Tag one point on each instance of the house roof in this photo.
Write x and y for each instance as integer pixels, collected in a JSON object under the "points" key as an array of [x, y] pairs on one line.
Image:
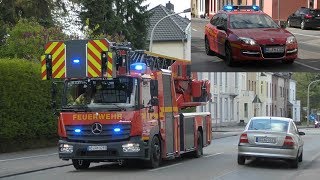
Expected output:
{"points": [[169, 29]]}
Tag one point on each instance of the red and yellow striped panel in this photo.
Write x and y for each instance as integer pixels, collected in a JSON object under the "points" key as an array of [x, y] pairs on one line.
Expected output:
{"points": [[109, 65], [57, 50], [43, 68], [95, 48]]}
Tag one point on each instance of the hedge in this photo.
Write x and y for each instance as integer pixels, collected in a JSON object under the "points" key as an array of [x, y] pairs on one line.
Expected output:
{"points": [[25, 111]]}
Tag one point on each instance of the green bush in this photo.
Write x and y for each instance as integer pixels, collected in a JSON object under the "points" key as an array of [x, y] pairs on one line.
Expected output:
{"points": [[25, 111]]}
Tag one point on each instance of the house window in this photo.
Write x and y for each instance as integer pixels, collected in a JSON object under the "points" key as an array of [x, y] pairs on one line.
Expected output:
{"points": [[267, 110], [236, 80], [254, 2], [215, 79], [231, 109], [261, 87], [249, 85], [226, 109], [246, 110], [239, 2], [261, 4]]}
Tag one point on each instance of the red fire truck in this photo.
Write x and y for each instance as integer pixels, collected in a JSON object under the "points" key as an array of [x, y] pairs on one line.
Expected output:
{"points": [[119, 105]]}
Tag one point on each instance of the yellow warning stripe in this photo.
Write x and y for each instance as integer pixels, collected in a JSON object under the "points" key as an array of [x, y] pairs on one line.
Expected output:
{"points": [[50, 48], [94, 50], [94, 62], [101, 45], [58, 61], [43, 67], [109, 64], [92, 72]]}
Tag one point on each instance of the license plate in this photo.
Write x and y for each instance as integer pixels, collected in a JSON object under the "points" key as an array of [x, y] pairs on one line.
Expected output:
{"points": [[266, 140], [274, 50], [97, 148]]}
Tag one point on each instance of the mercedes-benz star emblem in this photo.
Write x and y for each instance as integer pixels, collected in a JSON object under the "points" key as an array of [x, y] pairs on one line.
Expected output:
{"points": [[96, 128]]}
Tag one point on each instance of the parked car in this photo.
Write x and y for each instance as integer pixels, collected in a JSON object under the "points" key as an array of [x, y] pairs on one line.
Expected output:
{"points": [[304, 18], [271, 138], [244, 33]]}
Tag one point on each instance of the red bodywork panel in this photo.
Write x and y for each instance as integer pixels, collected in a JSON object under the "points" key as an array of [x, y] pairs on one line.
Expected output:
{"points": [[263, 36]]}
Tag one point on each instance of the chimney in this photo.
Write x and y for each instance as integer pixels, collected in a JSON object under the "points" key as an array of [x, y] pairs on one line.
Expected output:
{"points": [[170, 6]]}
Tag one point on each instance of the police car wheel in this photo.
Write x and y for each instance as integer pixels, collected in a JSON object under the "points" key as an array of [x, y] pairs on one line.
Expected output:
{"points": [[80, 164], [228, 55]]}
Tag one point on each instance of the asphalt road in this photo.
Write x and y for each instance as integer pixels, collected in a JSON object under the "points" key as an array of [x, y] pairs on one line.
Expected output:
{"points": [[218, 162], [308, 57]]}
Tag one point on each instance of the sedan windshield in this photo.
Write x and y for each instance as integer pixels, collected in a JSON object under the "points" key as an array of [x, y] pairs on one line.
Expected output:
{"points": [[269, 125], [250, 21]]}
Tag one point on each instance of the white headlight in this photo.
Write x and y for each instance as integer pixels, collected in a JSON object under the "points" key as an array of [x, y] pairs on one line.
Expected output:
{"points": [[291, 39], [131, 147], [248, 41]]}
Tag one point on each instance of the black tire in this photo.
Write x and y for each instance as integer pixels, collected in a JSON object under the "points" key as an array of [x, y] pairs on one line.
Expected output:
{"points": [[228, 55], [155, 154], [199, 152], [288, 23], [80, 164], [207, 47], [241, 160], [301, 157], [294, 163], [303, 25], [288, 61]]}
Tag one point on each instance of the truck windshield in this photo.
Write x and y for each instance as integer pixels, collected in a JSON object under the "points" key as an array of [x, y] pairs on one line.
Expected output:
{"points": [[118, 93]]}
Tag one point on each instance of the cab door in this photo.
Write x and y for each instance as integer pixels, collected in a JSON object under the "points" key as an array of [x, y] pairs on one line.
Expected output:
{"points": [[222, 34]]}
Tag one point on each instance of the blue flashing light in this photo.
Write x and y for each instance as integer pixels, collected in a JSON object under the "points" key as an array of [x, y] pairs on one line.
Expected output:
{"points": [[116, 129], [256, 8], [77, 130], [141, 67], [76, 61], [228, 8]]}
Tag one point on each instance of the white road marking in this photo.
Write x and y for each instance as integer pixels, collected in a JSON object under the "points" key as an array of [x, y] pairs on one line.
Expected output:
{"points": [[164, 167], [210, 155], [194, 29], [306, 35], [314, 68], [28, 157]]}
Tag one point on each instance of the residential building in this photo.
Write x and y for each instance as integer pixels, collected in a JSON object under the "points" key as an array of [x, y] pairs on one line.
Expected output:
{"points": [[277, 9], [239, 96], [172, 36]]}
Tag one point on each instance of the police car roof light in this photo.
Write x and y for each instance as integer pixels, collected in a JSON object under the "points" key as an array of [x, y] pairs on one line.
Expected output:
{"points": [[232, 8]]}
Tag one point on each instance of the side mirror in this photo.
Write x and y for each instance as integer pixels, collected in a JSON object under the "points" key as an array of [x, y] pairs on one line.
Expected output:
{"points": [[220, 27], [302, 133], [283, 26]]}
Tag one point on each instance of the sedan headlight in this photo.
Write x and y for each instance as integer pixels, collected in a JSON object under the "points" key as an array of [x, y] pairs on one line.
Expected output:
{"points": [[291, 39], [248, 41], [131, 147], [66, 148]]}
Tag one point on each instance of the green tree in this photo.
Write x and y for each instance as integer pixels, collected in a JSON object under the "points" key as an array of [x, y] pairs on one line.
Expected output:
{"points": [[116, 18], [303, 80], [27, 40]]}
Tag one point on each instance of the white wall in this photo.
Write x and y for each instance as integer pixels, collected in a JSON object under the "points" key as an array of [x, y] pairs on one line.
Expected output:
{"points": [[173, 49]]}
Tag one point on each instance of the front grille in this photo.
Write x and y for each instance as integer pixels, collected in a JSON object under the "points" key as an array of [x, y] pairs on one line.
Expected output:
{"points": [[107, 134], [97, 153], [272, 55]]}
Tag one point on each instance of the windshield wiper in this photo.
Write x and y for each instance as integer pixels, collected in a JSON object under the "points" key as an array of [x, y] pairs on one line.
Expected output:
{"points": [[76, 108]]}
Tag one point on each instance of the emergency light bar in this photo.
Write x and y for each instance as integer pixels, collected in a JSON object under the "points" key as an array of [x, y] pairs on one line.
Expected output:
{"points": [[234, 8]]}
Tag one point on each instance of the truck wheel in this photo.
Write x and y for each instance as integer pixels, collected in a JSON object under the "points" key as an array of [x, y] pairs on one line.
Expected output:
{"points": [[155, 153], [207, 47], [199, 152], [80, 164]]}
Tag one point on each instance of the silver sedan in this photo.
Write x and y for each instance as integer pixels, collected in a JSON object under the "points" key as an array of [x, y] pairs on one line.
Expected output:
{"points": [[271, 137]]}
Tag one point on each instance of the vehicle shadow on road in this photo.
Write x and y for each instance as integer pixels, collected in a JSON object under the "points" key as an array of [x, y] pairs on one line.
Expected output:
{"points": [[134, 166], [268, 164]]}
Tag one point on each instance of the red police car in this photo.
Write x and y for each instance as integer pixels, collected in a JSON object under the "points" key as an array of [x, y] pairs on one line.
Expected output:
{"points": [[244, 33]]}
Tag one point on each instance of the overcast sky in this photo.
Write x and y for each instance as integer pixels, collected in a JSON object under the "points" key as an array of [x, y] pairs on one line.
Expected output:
{"points": [[179, 5]]}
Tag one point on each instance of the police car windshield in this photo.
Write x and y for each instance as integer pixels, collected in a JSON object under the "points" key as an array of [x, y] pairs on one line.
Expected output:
{"points": [[115, 93], [250, 21]]}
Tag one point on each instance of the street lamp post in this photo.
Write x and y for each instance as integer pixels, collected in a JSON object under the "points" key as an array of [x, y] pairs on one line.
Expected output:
{"points": [[308, 101], [152, 32]]}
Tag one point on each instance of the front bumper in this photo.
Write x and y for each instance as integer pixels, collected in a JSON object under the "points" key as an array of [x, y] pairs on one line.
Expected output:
{"points": [[255, 53], [114, 151], [273, 153]]}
